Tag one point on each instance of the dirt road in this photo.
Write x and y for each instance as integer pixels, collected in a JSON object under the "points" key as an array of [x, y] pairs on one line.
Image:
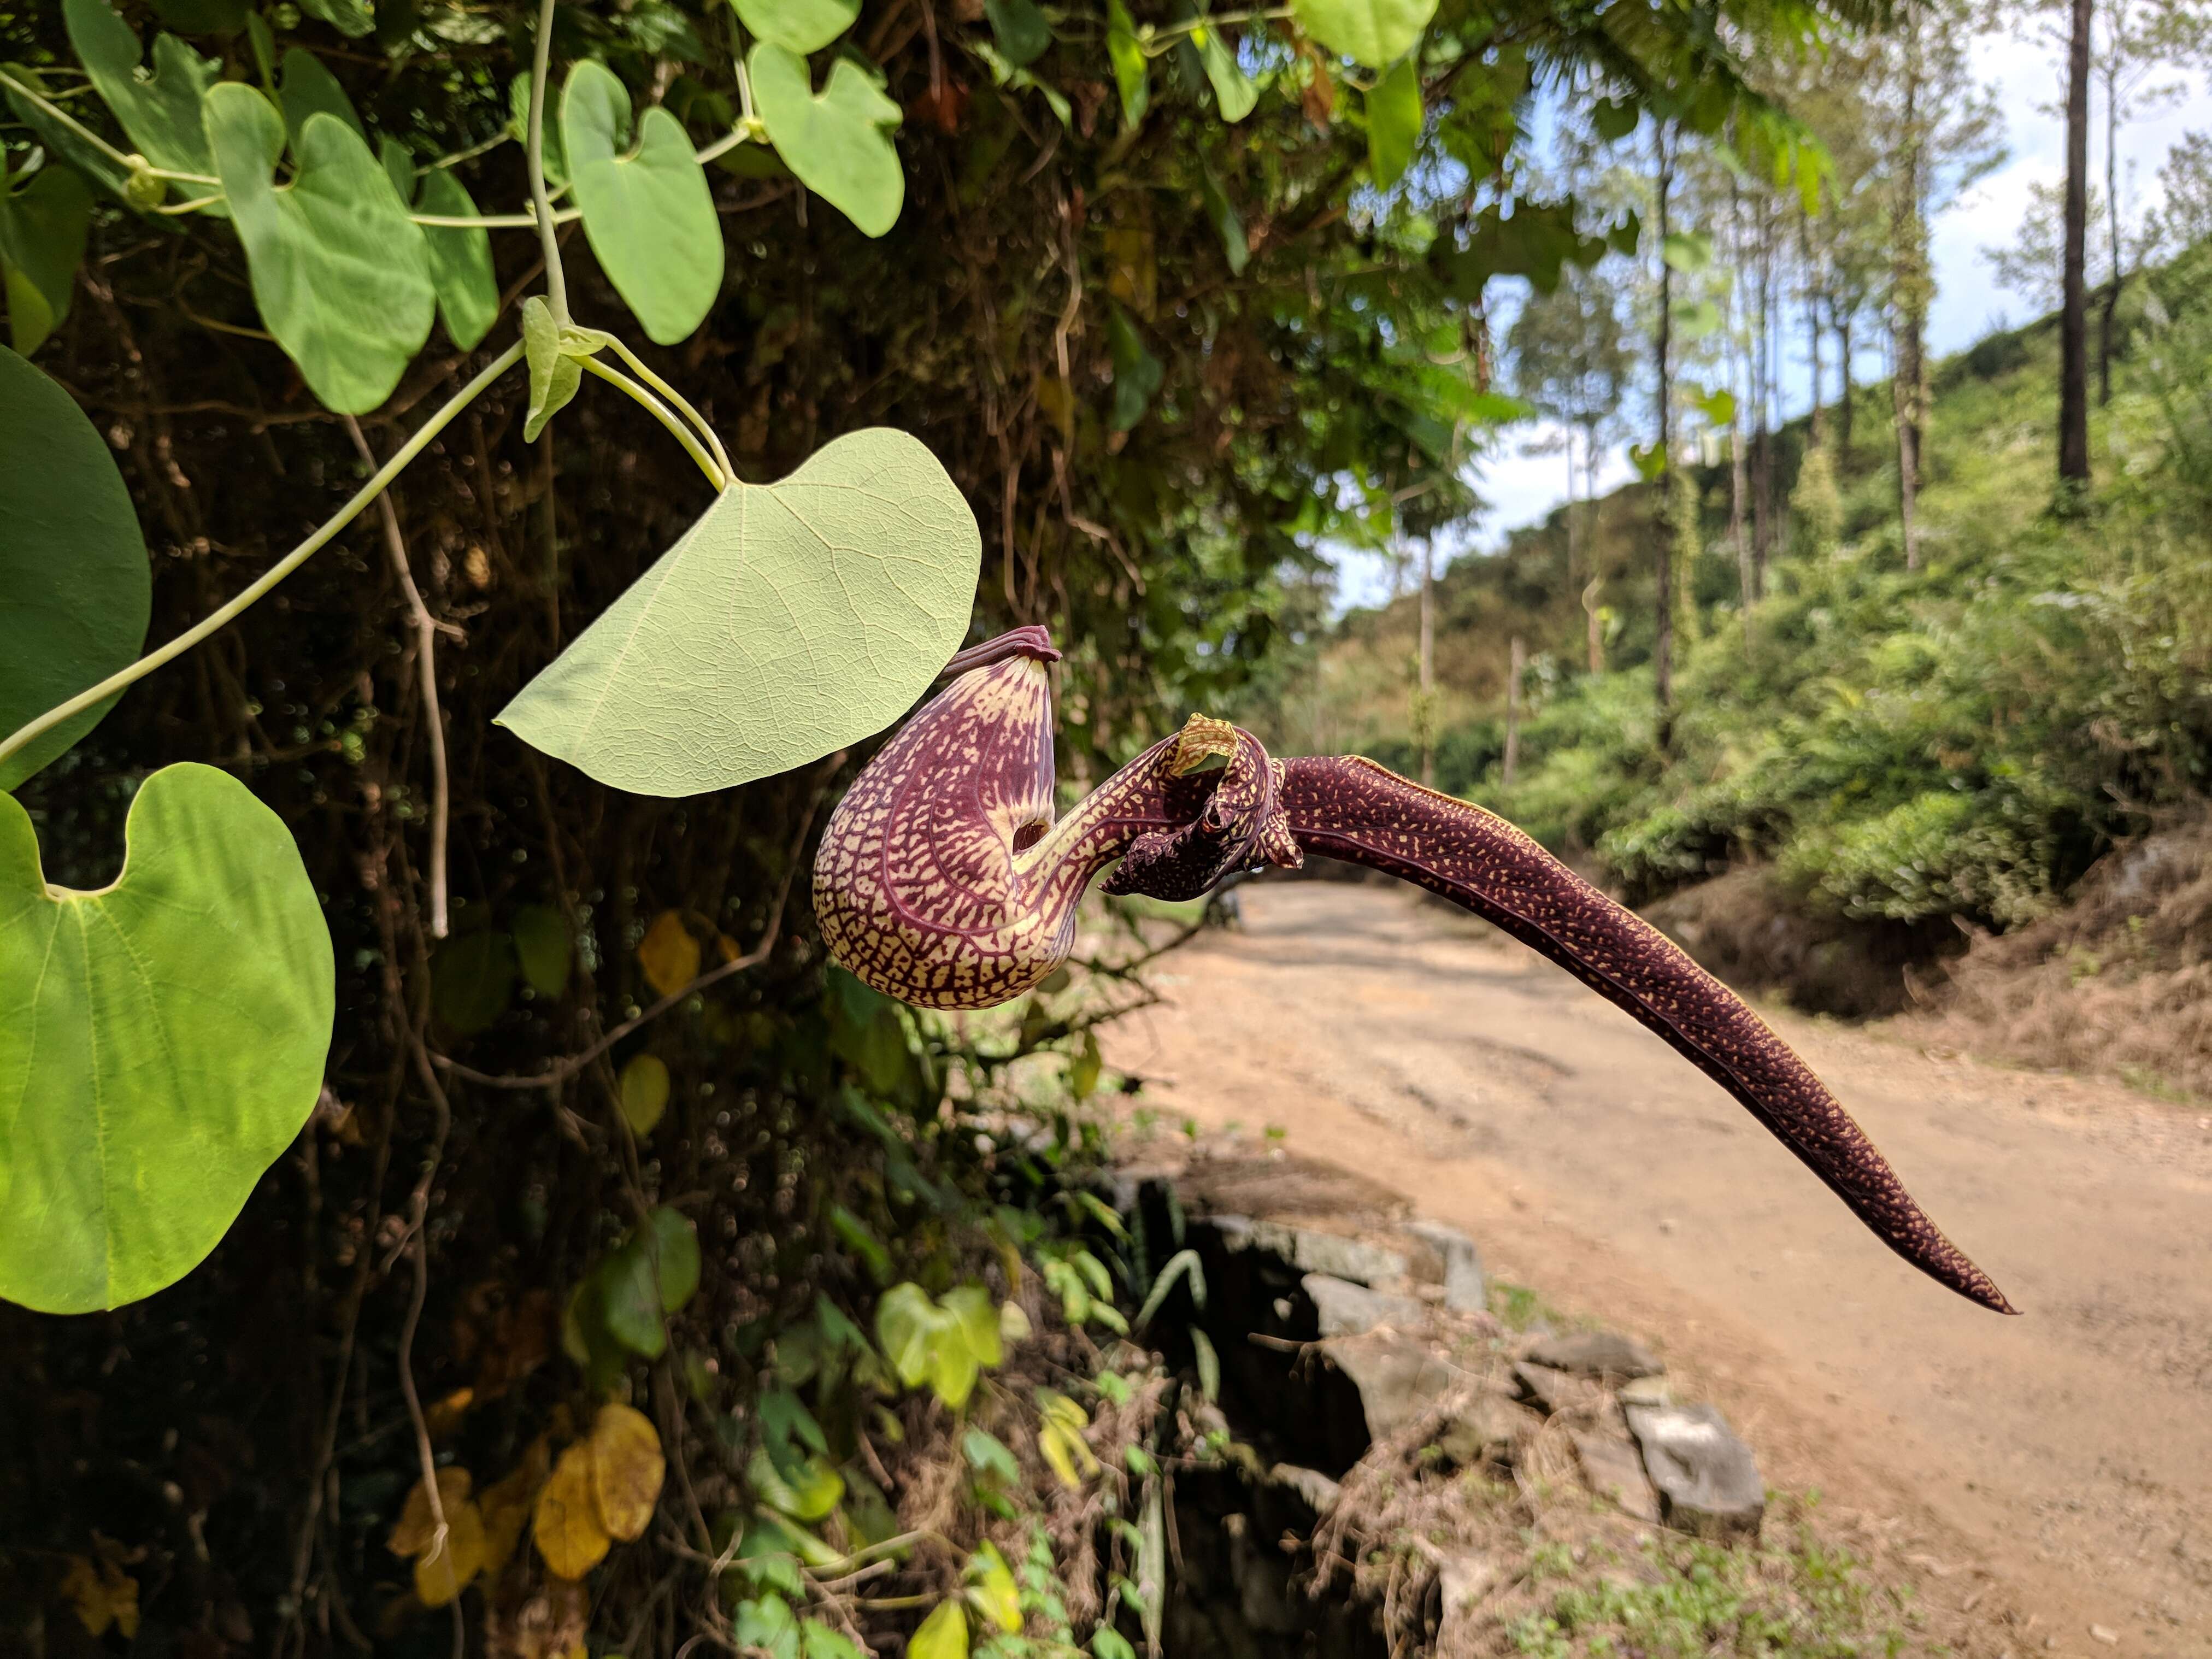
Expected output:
{"points": [[2065, 1456]]}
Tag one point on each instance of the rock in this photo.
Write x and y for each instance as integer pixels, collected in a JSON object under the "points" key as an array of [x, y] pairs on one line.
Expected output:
{"points": [[1596, 1354], [1396, 1377], [1613, 1469], [1553, 1391], [1709, 1482], [1319, 1491], [1463, 1581], [1464, 1289], [1645, 1391], [1327, 1253], [1347, 1309], [1485, 1432]]}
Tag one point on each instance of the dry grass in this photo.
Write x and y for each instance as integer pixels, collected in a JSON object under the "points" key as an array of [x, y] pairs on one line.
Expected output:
{"points": [[2119, 984]]}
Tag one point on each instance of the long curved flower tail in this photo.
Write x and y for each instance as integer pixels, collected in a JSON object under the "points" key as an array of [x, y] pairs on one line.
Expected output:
{"points": [[1354, 810]]}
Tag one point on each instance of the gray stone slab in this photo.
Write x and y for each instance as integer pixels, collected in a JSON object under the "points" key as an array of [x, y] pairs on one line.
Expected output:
{"points": [[1613, 1469], [1347, 1309], [1397, 1377], [1596, 1354], [1465, 1291], [1708, 1479]]}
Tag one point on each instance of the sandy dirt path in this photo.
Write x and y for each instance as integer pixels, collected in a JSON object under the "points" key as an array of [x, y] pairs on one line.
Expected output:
{"points": [[2062, 1461]]}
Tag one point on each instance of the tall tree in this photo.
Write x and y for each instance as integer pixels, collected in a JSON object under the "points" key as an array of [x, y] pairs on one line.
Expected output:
{"points": [[2074, 299]]}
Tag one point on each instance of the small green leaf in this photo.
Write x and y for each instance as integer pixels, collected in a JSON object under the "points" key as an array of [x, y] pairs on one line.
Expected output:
{"points": [[644, 1092], [1650, 460], [987, 1454], [1695, 318], [543, 945], [818, 1641], [806, 1489], [309, 87], [943, 1635], [1228, 223], [1107, 1643], [1393, 123], [792, 619], [972, 1306], [472, 980], [1019, 28], [663, 1252], [1137, 373], [1614, 118], [766, 1626], [351, 18], [518, 124], [161, 112], [1687, 252], [164, 1040], [837, 142], [340, 273], [553, 375], [1132, 69], [647, 211], [42, 228], [76, 589], [1233, 90], [1209, 1365], [799, 26], [992, 1591], [1374, 32]]}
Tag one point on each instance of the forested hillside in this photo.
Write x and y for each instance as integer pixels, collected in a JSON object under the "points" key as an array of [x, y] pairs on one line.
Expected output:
{"points": [[1962, 740]]}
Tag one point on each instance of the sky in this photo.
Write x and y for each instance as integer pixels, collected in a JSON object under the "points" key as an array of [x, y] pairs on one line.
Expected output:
{"points": [[1523, 486]]}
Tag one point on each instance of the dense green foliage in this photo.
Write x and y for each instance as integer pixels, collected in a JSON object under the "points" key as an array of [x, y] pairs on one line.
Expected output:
{"points": [[1959, 740]]}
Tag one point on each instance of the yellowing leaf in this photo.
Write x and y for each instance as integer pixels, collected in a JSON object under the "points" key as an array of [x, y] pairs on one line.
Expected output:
{"points": [[1056, 1446], [627, 1470], [103, 1595], [506, 1506], [566, 1521], [412, 1536], [645, 1089], [668, 953], [943, 1635], [1013, 1325], [443, 1569], [991, 1589]]}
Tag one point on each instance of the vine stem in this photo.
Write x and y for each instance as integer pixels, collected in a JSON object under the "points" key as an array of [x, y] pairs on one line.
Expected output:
{"points": [[638, 367], [426, 643], [660, 412], [556, 282], [284, 567]]}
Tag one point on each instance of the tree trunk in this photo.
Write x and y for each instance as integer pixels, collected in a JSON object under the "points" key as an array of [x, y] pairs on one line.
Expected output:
{"points": [[1737, 482], [1517, 661], [1663, 643], [1910, 252], [1428, 664], [1819, 427], [2113, 217], [2074, 310], [1844, 390], [1762, 443], [1594, 629]]}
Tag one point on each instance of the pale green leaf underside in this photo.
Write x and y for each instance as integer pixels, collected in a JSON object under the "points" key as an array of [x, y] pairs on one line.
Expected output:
{"points": [[792, 619], [161, 1041], [648, 213], [460, 261], [1376, 33], [1393, 123], [340, 272], [75, 587]]}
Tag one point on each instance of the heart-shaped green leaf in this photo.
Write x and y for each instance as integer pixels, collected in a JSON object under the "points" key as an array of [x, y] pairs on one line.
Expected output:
{"points": [[792, 619], [42, 229], [1019, 28], [62, 142], [461, 260], [1233, 90], [838, 144], [162, 111], [1376, 33], [74, 588], [800, 26], [162, 1042], [555, 372], [544, 947], [340, 272], [1132, 69], [648, 213], [1393, 123], [309, 87]]}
